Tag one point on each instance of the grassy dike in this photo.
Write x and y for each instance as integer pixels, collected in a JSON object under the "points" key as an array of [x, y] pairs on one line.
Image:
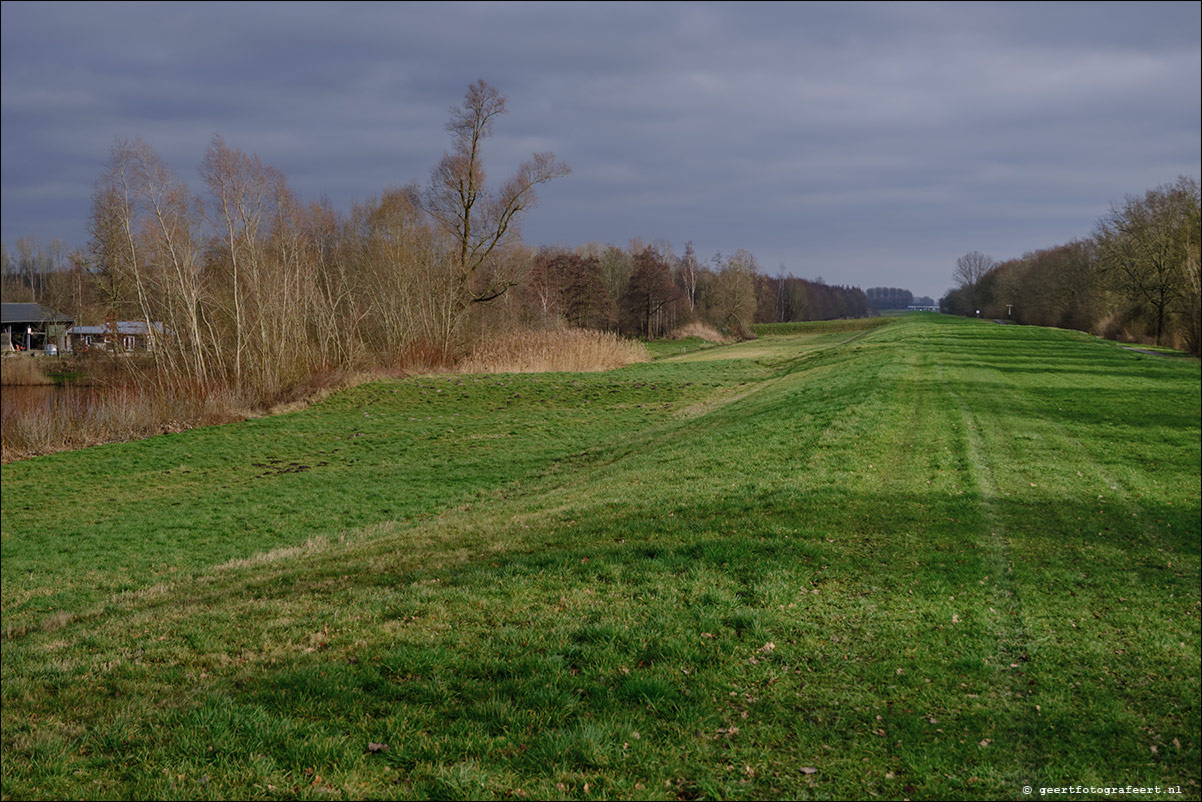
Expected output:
{"points": [[936, 558]]}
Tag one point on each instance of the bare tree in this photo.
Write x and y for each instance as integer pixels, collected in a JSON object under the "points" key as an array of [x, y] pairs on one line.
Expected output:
{"points": [[244, 192], [565, 286], [971, 268], [406, 281], [173, 248], [1146, 245], [478, 220], [734, 294], [1191, 299], [648, 292], [118, 207], [616, 266], [687, 274], [544, 286], [334, 316]]}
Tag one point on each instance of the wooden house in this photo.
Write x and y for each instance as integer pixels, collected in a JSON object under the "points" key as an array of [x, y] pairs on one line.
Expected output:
{"points": [[115, 335]]}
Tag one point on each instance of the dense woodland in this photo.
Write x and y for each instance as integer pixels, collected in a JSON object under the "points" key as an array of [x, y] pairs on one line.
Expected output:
{"points": [[258, 290], [1136, 277]]}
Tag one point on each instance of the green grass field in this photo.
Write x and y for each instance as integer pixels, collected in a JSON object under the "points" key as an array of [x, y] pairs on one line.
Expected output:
{"points": [[938, 558]]}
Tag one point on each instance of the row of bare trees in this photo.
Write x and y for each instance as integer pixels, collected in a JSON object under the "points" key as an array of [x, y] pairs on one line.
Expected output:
{"points": [[647, 291], [249, 287], [52, 274], [224, 280], [245, 287], [1136, 277]]}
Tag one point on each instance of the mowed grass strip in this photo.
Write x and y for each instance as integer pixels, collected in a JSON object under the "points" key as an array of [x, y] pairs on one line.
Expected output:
{"points": [[938, 558]]}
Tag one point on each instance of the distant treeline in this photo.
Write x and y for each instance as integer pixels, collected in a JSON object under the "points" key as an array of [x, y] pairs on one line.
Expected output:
{"points": [[895, 298], [647, 291], [1135, 278], [257, 291]]}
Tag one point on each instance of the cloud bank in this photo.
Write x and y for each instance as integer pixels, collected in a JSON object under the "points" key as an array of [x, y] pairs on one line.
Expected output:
{"points": [[870, 144]]}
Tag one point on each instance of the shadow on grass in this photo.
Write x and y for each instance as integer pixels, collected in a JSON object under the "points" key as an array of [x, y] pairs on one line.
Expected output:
{"points": [[546, 658], [530, 655]]}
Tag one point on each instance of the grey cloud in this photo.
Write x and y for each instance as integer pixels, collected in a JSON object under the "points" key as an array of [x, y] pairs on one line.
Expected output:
{"points": [[871, 143]]}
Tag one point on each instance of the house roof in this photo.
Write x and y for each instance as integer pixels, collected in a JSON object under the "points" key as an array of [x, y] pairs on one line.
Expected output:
{"points": [[123, 327], [30, 313]]}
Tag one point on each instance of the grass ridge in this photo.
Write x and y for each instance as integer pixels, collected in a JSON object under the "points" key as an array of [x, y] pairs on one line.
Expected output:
{"points": [[600, 590]]}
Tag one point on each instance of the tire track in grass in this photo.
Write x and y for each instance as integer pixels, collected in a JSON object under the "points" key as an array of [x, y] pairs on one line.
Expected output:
{"points": [[1101, 571], [1005, 609]]}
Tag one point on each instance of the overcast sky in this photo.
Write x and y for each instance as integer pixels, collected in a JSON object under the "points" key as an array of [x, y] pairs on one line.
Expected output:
{"points": [[869, 144]]}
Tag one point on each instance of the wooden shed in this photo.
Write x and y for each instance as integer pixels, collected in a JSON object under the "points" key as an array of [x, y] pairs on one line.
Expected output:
{"points": [[31, 327]]}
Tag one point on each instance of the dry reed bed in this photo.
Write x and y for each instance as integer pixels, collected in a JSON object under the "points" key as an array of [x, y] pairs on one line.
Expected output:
{"points": [[22, 371], [702, 330], [127, 405], [75, 417], [566, 350]]}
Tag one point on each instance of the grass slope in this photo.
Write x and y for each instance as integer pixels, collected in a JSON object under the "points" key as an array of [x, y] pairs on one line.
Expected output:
{"points": [[933, 559]]}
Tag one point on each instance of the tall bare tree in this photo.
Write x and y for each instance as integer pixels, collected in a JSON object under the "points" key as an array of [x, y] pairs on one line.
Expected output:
{"points": [[734, 294], [616, 266], [480, 220], [117, 244], [686, 272], [1146, 245], [971, 268], [172, 247], [648, 292], [243, 194]]}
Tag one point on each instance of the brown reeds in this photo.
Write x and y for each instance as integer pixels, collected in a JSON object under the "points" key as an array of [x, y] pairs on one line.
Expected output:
{"points": [[22, 370], [41, 420], [569, 350], [699, 329], [120, 401]]}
